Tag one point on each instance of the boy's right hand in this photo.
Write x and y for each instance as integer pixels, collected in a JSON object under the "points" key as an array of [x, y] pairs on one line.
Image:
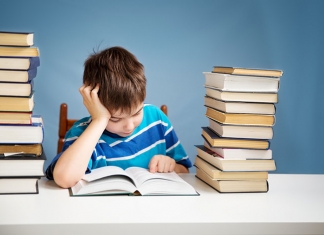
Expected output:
{"points": [[93, 104]]}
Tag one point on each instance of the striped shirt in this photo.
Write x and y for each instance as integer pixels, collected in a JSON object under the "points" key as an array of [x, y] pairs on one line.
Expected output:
{"points": [[155, 135]]}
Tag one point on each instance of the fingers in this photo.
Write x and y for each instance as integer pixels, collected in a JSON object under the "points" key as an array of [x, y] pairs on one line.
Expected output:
{"points": [[153, 165], [161, 163]]}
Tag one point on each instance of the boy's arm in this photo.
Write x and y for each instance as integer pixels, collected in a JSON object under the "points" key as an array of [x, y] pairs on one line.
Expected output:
{"points": [[180, 169], [72, 164]]}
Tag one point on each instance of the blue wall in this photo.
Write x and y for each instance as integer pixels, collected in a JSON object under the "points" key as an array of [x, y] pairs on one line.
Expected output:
{"points": [[177, 41]]}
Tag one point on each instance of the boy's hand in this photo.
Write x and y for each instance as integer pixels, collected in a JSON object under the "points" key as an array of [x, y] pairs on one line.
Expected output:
{"points": [[92, 103], [161, 163]]}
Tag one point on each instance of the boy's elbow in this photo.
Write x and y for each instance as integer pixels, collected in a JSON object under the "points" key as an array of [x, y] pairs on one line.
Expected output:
{"points": [[64, 180]]}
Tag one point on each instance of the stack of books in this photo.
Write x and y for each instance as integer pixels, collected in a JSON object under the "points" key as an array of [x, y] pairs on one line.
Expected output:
{"points": [[21, 131], [240, 107]]}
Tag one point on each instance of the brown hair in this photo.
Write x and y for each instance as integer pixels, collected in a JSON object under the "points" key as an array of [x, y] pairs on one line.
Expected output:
{"points": [[121, 79]]}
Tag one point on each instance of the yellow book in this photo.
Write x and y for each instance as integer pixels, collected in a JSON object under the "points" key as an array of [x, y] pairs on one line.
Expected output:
{"points": [[240, 118]]}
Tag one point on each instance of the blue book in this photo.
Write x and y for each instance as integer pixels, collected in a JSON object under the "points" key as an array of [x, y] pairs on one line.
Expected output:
{"points": [[23, 133], [18, 75], [19, 63]]}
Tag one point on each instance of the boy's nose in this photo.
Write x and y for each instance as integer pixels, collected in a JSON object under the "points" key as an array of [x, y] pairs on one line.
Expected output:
{"points": [[129, 126]]}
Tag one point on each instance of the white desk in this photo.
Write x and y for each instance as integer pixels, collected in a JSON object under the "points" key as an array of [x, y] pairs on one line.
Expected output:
{"points": [[293, 205]]}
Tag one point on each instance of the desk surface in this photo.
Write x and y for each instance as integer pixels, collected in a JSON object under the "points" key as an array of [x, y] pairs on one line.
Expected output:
{"points": [[293, 205]]}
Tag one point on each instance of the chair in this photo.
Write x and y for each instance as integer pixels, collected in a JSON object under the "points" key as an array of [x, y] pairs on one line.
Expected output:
{"points": [[65, 124]]}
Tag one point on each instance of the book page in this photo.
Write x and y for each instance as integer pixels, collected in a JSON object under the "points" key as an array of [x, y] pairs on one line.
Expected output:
{"points": [[140, 175], [104, 172], [114, 184], [160, 183]]}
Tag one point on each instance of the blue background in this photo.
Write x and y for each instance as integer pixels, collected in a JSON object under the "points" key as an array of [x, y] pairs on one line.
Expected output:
{"points": [[177, 40]]}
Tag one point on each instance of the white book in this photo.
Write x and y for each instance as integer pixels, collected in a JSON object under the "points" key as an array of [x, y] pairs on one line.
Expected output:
{"points": [[229, 82], [257, 97], [23, 133], [241, 131], [242, 154], [240, 107], [112, 180]]}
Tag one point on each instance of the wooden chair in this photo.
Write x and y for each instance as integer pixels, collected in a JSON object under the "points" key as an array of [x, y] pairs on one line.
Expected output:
{"points": [[65, 124]]}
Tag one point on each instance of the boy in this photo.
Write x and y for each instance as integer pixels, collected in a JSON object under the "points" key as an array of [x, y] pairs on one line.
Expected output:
{"points": [[121, 129]]}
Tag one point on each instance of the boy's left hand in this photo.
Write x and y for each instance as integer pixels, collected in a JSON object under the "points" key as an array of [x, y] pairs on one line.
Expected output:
{"points": [[161, 163]]}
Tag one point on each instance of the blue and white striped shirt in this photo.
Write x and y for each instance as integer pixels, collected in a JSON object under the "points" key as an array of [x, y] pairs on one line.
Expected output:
{"points": [[155, 135]]}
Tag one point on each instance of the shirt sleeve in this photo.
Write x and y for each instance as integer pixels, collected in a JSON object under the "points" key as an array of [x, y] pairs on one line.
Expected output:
{"points": [[174, 148]]}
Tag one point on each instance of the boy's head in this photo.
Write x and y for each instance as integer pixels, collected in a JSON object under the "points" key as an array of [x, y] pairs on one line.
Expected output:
{"points": [[121, 79]]}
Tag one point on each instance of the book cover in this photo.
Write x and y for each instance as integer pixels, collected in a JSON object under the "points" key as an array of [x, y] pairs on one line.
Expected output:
{"points": [[19, 63]]}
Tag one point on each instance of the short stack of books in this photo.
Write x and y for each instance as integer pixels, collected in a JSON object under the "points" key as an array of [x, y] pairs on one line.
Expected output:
{"points": [[21, 131], [240, 107]]}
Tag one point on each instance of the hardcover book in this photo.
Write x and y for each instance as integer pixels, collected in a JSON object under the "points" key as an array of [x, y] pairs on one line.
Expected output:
{"points": [[19, 63], [233, 186], [215, 173], [16, 89], [15, 117], [240, 107], [112, 180], [215, 140], [239, 154], [18, 75], [19, 52], [19, 185], [22, 164], [248, 71], [28, 149], [241, 131], [16, 38], [260, 97], [239, 83], [240, 118], [235, 164], [23, 134], [17, 103]]}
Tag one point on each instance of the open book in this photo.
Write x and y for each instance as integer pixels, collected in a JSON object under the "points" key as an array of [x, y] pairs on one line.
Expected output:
{"points": [[112, 180]]}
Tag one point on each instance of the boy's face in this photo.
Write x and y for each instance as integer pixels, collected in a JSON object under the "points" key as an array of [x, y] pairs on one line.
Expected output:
{"points": [[124, 124]]}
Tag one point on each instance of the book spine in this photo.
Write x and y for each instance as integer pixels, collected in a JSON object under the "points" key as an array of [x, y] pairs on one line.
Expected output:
{"points": [[32, 74], [34, 62]]}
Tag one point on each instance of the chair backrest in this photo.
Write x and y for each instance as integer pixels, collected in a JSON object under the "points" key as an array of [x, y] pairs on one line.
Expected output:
{"points": [[65, 124]]}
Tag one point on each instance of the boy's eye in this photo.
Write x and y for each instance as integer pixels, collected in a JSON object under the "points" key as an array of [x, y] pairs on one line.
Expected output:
{"points": [[115, 120]]}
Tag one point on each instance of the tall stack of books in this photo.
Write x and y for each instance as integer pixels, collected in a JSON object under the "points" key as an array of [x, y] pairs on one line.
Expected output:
{"points": [[21, 131], [240, 107]]}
